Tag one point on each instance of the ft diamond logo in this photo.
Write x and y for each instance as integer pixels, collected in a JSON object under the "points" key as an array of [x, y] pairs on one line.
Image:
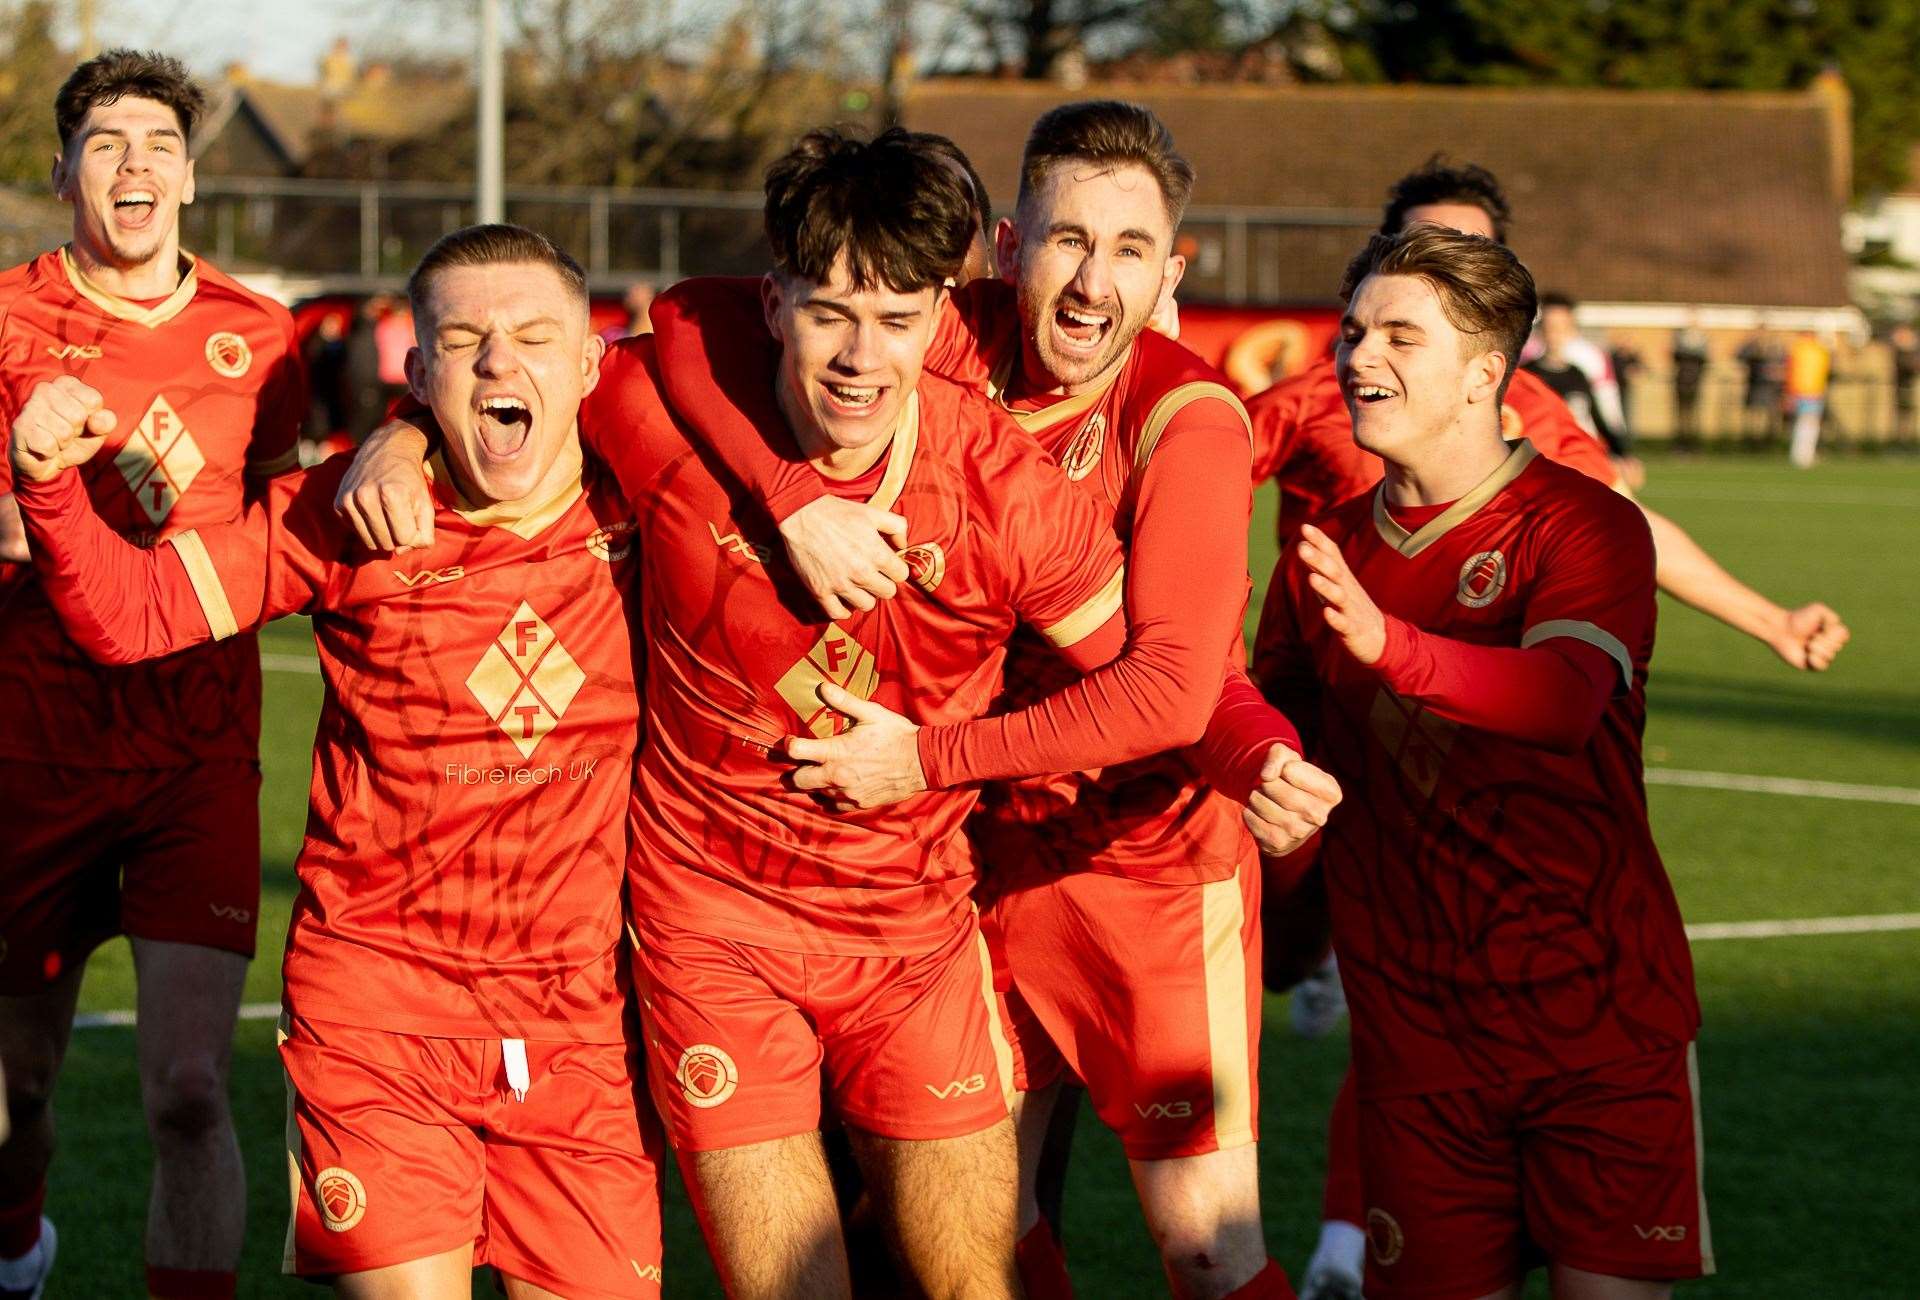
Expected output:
{"points": [[837, 658], [526, 680], [160, 460]]}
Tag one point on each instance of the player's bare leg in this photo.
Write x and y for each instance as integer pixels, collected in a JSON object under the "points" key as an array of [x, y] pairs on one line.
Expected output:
{"points": [[949, 1205], [33, 1043], [189, 998], [1569, 1283], [1204, 1213], [446, 1276], [1033, 1114], [770, 1218]]}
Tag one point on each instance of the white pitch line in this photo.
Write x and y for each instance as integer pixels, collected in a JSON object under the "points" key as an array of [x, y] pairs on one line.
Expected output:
{"points": [[124, 1019], [274, 663], [1894, 794], [1758, 494], [1813, 925]]}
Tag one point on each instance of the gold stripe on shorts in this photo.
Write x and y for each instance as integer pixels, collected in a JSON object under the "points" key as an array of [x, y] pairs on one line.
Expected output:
{"points": [[1699, 1160], [996, 1030], [293, 1150], [1222, 913]]}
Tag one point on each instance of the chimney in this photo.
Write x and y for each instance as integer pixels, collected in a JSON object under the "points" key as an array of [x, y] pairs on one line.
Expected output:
{"points": [[236, 74], [1829, 90]]}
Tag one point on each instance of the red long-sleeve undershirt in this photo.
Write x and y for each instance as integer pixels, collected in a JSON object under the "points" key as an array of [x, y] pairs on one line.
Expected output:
{"points": [[119, 603], [1188, 547]]}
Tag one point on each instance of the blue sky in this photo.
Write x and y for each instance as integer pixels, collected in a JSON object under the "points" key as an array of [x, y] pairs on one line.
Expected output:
{"points": [[281, 40]]}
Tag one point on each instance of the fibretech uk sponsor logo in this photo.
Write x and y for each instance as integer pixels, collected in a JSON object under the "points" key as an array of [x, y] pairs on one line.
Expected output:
{"points": [[707, 1075], [525, 680], [340, 1198], [160, 461]]}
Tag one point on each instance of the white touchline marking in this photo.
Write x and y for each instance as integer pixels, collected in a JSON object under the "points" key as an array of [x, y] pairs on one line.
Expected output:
{"points": [[1764, 495], [274, 663], [1894, 794], [124, 1019], [1813, 925]]}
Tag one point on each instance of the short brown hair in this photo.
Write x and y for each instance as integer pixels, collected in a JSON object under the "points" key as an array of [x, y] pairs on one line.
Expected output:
{"points": [[494, 244], [895, 208], [117, 73], [1483, 288], [1107, 133], [1440, 180], [943, 148]]}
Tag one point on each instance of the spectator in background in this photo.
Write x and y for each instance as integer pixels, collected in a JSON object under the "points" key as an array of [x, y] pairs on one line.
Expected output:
{"points": [[1627, 366], [392, 340], [1809, 369], [638, 298], [1766, 367], [1689, 369], [1559, 339], [1593, 363], [360, 385], [326, 379], [1905, 344]]}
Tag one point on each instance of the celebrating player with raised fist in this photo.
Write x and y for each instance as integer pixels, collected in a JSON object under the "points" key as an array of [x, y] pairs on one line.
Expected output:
{"points": [[135, 788], [455, 1036]]}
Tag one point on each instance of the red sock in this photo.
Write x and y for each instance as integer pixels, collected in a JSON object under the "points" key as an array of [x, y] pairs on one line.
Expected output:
{"points": [[1346, 1199], [1043, 1269], [1270, 1283], [190, 1283], [20, 1224]]}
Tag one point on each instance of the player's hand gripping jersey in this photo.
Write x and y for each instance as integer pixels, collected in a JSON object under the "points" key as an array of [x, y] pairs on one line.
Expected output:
{"points": [[1303, 436], [737, 652], [204, 382], [1160, 456], [466, 836], [1500, 909]]}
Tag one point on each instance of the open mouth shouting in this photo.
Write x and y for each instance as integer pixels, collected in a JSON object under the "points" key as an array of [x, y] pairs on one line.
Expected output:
{"points": [[504, 423], [1080, 330], [133, 208], [852, 401], [1367, 394]]}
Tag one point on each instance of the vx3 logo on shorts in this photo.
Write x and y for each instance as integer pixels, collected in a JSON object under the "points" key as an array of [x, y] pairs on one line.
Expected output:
{"points": [[645, 1272], [427, 577], [225, 912], [1662, 1232], [959, 1088], [1164, 1110]]}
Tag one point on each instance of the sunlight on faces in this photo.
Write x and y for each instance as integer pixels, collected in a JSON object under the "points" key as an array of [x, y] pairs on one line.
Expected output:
{"points": [[1467, 218], [849, 360], [504, 358], [1408, 374], [1089, 252], [126, 172]]}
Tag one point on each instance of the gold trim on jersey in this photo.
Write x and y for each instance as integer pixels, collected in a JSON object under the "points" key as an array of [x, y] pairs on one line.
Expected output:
{"points": [[1222, 913], [996, 1030], [1176, 401], [1092, 614], [1700, 1160], [906, 437], [524, 522], [279, 465], [206, 583], [152, 317], [1580, 630], [1411, 544]]}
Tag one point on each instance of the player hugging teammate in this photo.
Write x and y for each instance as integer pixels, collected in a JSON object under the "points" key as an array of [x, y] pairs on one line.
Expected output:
{"points": [[645, 758]]}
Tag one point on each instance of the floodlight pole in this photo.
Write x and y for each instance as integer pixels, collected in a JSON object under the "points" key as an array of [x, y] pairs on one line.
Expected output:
{"points": [[489, 197]]}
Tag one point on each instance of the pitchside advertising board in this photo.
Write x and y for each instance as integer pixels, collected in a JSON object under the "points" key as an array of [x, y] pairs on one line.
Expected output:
{"points": [[1254, 346]]}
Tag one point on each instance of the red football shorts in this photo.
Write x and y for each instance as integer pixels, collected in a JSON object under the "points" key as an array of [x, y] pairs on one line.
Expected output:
{"points": [[1598, 1169], [743, 1041], [1149, 993], [168, 853], [401, 1146]]}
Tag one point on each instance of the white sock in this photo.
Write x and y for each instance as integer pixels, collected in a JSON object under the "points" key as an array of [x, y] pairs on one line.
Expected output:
{"points": [[23, 1274], [1342, 1247]]}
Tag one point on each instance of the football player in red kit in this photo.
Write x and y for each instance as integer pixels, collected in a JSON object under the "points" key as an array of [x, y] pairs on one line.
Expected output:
{"points": [[135, 788], [460, 1068], [1473, 637]]}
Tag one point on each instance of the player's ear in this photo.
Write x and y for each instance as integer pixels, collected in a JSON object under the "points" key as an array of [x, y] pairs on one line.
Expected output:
{"points": [[60, 175], [186, 192], [772, 295], [417, 375], [1170, 275], [1484, 373], [1006, 247], [590, 357]]}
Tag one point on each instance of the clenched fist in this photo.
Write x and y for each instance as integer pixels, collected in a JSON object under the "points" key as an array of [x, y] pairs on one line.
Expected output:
{"points": [[62, 424]]}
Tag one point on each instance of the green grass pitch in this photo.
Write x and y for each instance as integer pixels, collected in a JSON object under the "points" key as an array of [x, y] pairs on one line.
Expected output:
{"points": [[1810, 1056]]}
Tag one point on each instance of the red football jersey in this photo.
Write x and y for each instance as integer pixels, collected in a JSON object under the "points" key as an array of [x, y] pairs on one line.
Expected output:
{"points": [[737, 652], [466, 827], [1155, 818], [1303, 435], [206, 383], [1500, 910]]}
